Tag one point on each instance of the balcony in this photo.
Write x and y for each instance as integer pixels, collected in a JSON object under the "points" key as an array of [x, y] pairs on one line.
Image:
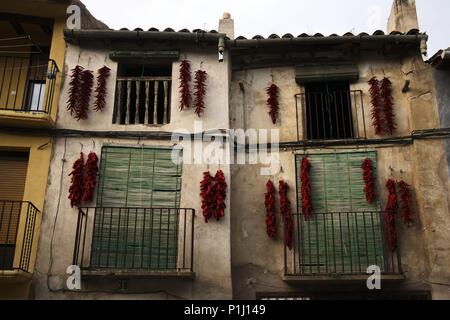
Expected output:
{"points": [[340, 247], [128, 242], [142, 100], [17, 233], [27, 88], [332, 115]]}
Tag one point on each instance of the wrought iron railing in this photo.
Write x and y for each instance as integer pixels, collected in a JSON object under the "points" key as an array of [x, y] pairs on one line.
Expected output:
{"points": [[334, 115], [27, 83], [17, 233], [135, 239], [142, 100], [343, 243]]}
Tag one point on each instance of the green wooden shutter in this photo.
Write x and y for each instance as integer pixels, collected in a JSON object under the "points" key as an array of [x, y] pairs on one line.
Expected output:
{"points": [[344, 234], [136, 221]]}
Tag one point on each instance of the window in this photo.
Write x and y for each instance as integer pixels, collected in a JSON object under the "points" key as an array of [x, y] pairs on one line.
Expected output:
{"points": [[344, 234], [143, 94], [328, 110], [36, 94], [136, 223]]}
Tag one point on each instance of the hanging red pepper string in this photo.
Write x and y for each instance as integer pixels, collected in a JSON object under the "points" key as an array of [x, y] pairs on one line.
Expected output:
{"points": [[272, 102], [200, 91], [185, 79], [90, 179], [220, 192], [306, 188], [369, 180], [207, 195], [391, 207], [269, 202], [74, 90], [286, 213], [87, 81], [76, 187], [388, 104], [103, 75], [377, 119], [405, 198]]}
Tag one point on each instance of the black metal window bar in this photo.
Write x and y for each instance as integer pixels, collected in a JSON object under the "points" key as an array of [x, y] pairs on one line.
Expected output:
{"points": [[334, 115], [135, 239], [142, 100], [344, 243], [17, 232], [27, 83]]}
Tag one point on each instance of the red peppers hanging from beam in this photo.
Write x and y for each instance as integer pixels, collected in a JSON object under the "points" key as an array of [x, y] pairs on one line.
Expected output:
{"points": [[103, 75], [383, 117], [306, 188], [185, 79], [286, 213], [405, 200], [220, 193], [391, 207], [377, 118], [200, 91], [90, 179], [87, 81], [207, 195], [369, 180], [74, 90], [388, 104], [272, 102], [271, 227], [76, 187]]}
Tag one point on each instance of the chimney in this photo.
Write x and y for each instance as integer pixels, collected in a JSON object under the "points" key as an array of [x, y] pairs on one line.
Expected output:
{"points": [[226, 25], [403, 16]]}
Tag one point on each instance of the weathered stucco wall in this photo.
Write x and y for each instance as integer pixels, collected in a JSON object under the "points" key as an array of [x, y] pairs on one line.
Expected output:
{"points": [[442, 79]]}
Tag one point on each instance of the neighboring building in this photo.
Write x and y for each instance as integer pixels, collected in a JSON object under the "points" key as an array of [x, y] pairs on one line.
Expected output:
{"points": [[143, 236]]}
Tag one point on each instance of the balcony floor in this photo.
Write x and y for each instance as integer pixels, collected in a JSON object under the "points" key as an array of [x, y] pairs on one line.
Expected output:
{"points": [[26, 119], [14, 276], [141, 274], [339, 278]]}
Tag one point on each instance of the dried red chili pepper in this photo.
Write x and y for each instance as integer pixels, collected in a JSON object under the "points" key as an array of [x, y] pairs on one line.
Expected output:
{"points": [[90, 179], [286, 213], [377, 109], [200, 91], [87, 81], [76, 187], [388, 105], [269, 202], [406, 197], [74, 90], [369, 180], [103, 75], [306, 188], [185, 79], [220, 193], [391, 207], [272, 102], [207, 194]]}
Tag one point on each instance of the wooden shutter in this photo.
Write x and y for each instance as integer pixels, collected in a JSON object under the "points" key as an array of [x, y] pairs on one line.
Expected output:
{"points": [[127, 233], [13, 173], [345, 242]]}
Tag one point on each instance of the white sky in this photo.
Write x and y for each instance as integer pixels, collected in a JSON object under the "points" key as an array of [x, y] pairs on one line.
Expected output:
{"points": [[264, 17]]}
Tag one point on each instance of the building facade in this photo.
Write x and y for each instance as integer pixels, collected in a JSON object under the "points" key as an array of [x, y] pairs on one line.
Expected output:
{"points": [[142, 234]]}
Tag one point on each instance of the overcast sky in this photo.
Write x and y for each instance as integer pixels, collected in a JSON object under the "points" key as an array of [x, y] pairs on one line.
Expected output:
{"points": [[265, 17]]}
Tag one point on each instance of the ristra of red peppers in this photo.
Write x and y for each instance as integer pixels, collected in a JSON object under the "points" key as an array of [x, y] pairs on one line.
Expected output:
{"points": [[100, 90], [391, 207], [74, 90], [272, 102], [220, 193], [286, 213], [269, 202], [306, 188], [90, 178], [76, 187], [200, 91], [87, 81], [405, 200], [208, 195], [369, 180], [185, 79], [388, 105], [377, 109]]}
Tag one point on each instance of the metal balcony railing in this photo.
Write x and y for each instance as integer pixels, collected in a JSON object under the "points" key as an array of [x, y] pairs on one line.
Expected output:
{"points": [[142, 100], [145, 240], [343, 243], [17, 233], [27, 83], [334, 115]]}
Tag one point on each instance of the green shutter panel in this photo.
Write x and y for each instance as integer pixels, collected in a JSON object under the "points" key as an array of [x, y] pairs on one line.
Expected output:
{"points": [[344, 235], [127, 233]]}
